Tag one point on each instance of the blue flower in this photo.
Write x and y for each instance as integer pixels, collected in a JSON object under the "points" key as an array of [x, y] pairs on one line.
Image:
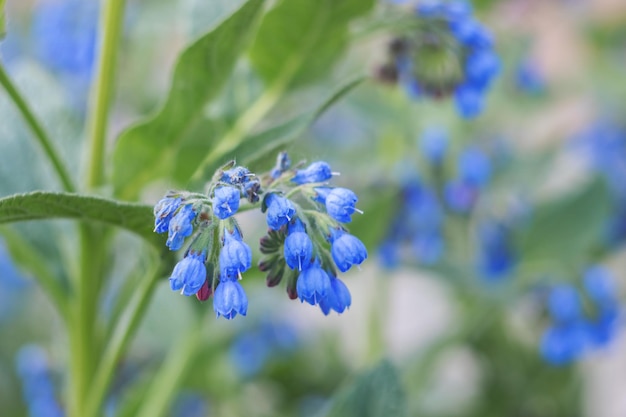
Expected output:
{"points": [[316, 172], [561, 345], [226, 201], [280, 211], [496, 257], [481, 67], [235, 256], [428, 247], [469, 101], [163, 213], [37, 385], [180, 227], [230, 299], [339, 202], [433, 145], [189, 274], [313, 284], [338, 297], [600, 285], [474, 167], [460, 196], [529, 79], [346, 250], [564, 304], [298, 246]]}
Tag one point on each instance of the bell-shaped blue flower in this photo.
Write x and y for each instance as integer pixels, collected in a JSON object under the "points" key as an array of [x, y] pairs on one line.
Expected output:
{"points": [[226, 201], [340, 202], [313, 284], [180, 227], [189, 274], [346, 250], [474, 167], [298, 246], [564, 304], [280, 211], [481, 67], [338, 298], [230, 299], [163, 213], [316, 172], [561, 345], [235, 256]]}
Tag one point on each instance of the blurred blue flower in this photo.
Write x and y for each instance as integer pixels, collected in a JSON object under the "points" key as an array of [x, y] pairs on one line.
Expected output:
{"points": [[528, 78], [190, 404], [564, 304], [496, 255], [164, 211], [433, 144], [563, 344], [37, 386], [12, 283]]}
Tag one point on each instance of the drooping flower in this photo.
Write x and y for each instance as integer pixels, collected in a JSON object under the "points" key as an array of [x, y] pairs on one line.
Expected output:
{"points": [[180, 227], [226, 201], [163, 213], [280, 210], [298, 249], [561, 344], [316, 172], [338, 297], [339, 202], [235, 256], [189, 274], [230, 299], [313, 284], [346, 250]]}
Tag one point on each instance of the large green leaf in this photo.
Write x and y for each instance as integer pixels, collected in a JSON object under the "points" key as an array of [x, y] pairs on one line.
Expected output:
{"points": [[298, 41], [137, 218], [376, 393], [563, 228], [149, 149]]}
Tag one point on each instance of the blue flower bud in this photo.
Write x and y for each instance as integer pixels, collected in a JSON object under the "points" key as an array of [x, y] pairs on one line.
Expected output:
{"points": [[316, 172], [339, 202], [338, 297], [236, 175], [163, 213], [471, 33], [230, 299], [189, 274], [279, 211], [313, 284], [346, 250], [226, 202], [180, 227], [298, 246], [235, 256], [469, 101], [564, 304], [496, 257], [561, 345]]}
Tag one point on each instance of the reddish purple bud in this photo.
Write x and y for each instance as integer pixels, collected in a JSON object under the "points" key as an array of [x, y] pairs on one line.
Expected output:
{"points": [[205, 291]]}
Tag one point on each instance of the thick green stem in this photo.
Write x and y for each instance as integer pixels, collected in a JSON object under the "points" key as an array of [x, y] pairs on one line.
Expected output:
{"points": [[102, 91], [38, 130], [85, 342]]}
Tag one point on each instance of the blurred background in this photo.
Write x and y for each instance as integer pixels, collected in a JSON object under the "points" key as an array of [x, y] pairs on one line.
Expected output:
{"points": [[495, 275]]}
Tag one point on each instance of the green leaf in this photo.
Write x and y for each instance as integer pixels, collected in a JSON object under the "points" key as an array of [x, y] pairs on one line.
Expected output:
{"points": [[298, 41], [376, 393], [257, 150], [137, 218], [149, 149], [564, 228]]}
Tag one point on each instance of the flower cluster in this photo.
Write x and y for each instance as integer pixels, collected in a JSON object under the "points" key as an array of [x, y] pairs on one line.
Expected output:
{"points": [[450, 186], [448, 53], [574, 329], [295, 244], [37, 387]]}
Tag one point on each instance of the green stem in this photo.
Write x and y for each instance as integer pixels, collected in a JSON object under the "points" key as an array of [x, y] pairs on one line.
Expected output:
{"points": [[38, 130], [103, 89], [171, 373], [119, 340]]}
